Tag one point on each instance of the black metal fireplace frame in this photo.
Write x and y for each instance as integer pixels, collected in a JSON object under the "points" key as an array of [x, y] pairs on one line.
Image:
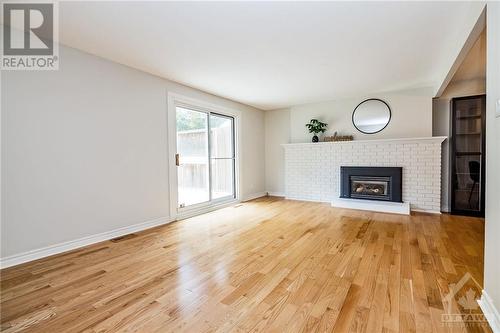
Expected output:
{"points": [[395, 184]]}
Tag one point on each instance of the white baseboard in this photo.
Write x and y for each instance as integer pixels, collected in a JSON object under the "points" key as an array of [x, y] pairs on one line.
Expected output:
{"points": [[276, 194], [372, 205], [302, 199], [253, 196], [77, 243], [426, 211], [490, 311]]}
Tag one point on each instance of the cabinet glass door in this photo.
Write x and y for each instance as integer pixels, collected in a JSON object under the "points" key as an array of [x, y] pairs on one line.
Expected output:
{"points": [[468, 142]]}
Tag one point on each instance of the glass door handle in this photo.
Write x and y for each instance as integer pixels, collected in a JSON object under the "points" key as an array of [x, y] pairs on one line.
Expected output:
{"points": [[177, 157]]}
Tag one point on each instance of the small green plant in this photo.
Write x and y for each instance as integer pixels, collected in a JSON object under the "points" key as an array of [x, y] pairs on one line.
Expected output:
{"points": [[315, 126]]}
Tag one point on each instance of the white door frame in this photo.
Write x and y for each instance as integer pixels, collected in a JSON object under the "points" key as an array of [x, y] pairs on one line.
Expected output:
{"points": [[174, 100]]}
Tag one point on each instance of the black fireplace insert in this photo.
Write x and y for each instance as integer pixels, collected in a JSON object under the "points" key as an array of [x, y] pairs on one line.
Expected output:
{"points": [[371, 183]]}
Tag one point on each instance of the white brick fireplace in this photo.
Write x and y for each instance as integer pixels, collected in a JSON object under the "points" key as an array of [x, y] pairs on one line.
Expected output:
{"points": [[312, 170]]}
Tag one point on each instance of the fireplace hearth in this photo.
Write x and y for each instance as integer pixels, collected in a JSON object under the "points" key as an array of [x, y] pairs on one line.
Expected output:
{"points": [[371, 183]]}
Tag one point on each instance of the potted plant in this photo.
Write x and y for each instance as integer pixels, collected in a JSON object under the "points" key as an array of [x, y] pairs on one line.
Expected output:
{"points": [[315, 126]]}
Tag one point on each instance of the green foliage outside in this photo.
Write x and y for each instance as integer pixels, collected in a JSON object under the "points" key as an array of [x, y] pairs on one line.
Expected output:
{"points": [[188, 120]]}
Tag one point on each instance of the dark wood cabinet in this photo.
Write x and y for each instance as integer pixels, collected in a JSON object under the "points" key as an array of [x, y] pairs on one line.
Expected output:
{"points": [[468, 143]]}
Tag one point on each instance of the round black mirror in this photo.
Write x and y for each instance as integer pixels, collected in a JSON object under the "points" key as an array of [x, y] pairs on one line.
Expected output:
{"points": [[371, 116]]}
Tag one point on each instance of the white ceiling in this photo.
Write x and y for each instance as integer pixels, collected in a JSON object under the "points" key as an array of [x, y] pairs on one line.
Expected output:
{"points": [[276, 54]]}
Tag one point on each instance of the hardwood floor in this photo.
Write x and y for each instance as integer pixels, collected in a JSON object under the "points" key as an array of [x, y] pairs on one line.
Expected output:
{"points": [[265, 265]]}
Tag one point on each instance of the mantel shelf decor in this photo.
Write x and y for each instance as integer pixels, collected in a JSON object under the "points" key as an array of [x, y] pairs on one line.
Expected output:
{"points": [[315, 126], [336, 138], [431, 139]]}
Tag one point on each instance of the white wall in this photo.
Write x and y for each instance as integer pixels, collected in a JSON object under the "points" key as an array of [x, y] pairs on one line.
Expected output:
{"points": [[411, 117], [277, 132], [465, 88], [492, 231], [441, 127], [84, 150], [253, 178]]}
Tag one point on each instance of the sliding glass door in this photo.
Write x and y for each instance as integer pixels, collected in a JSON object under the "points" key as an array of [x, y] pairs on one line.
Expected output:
{"points": [[192, 157], [205, 157], [221, 156]]}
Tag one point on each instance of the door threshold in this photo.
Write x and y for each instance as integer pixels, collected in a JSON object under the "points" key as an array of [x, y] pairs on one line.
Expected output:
{"points": [[210, 208]]}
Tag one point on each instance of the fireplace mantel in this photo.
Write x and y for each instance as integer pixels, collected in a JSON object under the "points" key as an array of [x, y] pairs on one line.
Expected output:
{"points": [[430, 139]]}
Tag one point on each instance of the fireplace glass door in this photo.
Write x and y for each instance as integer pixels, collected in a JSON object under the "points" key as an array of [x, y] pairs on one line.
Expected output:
{"points": [[370, 187], [468, 155]]}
